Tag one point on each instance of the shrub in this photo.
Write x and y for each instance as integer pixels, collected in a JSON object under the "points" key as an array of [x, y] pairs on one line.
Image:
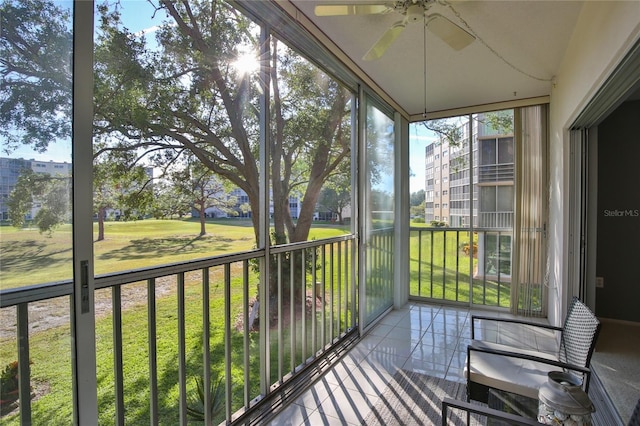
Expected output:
{"points": [[195, 408]]}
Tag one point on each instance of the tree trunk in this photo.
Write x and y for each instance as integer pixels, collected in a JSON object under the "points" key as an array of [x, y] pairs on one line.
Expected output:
{"points": [[102, 212], [203, 224]]}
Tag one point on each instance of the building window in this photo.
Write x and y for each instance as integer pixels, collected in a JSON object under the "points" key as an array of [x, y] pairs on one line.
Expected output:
{"points": [[496, 198], [496, 151]]}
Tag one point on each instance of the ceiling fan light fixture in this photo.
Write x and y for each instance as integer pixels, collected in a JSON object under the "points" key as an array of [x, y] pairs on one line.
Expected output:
{"points": [[415, 13]]}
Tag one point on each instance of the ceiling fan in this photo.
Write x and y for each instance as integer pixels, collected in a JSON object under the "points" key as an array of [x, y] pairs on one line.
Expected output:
{"points": [[411, 11]]}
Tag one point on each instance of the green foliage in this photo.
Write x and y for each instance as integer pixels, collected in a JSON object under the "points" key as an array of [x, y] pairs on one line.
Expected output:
{"points": [[179, 97], [9, 385], [417, 198], [9, 380], [335, 200], [196, 400], [449, 130], [418, 220], [500, 122], [438, 224], [418, 210], [52, 193], [202, 189], [36, 46], [169, 203]]}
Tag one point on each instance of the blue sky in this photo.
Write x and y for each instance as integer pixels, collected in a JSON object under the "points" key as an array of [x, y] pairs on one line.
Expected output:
{"points": [[419, 138]]}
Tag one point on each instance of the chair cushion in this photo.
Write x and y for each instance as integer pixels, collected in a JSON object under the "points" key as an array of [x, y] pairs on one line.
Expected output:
{"points": [[515, 375]]}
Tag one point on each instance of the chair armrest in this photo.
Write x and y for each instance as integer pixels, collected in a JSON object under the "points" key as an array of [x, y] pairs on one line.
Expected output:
{"points": [[471, 347], [484, 411], [511, 321]]}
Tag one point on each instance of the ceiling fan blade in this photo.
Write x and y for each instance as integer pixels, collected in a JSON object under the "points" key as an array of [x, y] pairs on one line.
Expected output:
{"points": [[350, 9], [450, 33], [385, 41]]}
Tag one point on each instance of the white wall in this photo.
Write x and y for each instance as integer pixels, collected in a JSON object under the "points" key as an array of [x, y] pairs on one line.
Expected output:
{"points": [[604, 33]]}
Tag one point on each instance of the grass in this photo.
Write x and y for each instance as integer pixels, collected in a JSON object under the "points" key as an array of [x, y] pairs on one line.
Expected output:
{"points": [[53, 373], [440, 269], [131, 245], [127, 245]]}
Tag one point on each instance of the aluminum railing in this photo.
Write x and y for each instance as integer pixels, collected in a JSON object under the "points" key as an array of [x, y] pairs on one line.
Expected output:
{"points": [[313, 307], [496, 172], [456, 265], [501, 220]]}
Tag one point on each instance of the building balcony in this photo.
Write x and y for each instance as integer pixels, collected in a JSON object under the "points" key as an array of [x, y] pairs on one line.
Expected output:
{"points": [[496, 173]]}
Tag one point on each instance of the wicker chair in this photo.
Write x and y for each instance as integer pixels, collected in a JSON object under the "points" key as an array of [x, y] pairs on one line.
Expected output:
{"points": [[449, 405], [522, 371], [635, 417]]}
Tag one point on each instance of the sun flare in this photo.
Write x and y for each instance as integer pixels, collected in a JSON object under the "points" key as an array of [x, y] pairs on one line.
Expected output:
{"points": [[246, 63]]}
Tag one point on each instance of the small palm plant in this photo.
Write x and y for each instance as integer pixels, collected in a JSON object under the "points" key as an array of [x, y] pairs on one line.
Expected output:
{"points": [[195, 403]]}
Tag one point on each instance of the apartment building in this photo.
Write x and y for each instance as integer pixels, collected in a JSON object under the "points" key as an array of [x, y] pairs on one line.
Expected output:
{"points": [[10, 169], [472, 185]]}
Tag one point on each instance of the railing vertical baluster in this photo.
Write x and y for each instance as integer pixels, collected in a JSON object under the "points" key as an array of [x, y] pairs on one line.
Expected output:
{"points": [[280, 318], [377, 247], [444, 264], [227, 340], [431, 272], [153, 356], [420, 262], [331, 294], [182, 356], [24, 363], [484, 271], [347, 287], [339, 283], [292, 311], [457, 265], [247, 329], [314, 300], [499, 253], [354, 287], [303, 279], [385, 262], [264, 312], [390, 268], [118, 380], [323, 331], [206, 345], [471, 253]]}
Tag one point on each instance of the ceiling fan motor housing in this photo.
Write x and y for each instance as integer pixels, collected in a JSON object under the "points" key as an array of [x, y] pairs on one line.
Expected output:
{"points": [[415, 12]]}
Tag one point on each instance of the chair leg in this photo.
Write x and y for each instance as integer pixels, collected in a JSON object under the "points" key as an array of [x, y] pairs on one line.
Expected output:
{"points": [[477, 392]]}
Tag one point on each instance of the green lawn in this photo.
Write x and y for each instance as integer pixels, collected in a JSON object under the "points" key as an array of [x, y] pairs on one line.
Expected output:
{"points": [[152, 242], [29, 257], [440, 258], [130, 245]]}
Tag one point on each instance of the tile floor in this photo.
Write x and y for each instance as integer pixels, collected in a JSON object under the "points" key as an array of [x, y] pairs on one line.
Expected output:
{"points": [[429, 339]]}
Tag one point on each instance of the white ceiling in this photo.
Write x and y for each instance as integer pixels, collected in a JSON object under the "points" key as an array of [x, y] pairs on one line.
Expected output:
{"points": [[520, 47]]}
